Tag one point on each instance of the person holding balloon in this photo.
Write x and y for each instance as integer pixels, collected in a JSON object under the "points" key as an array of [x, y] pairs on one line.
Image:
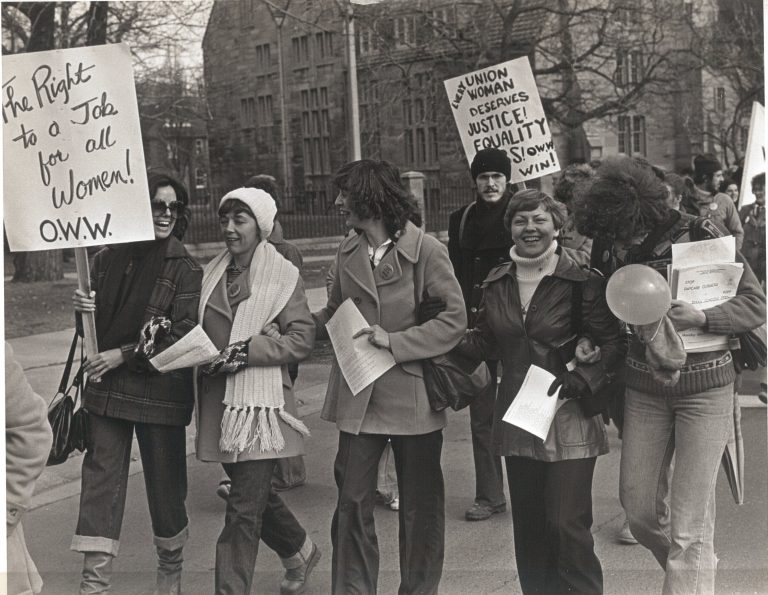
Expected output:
{"points": [[676, 403], [532, 312]]}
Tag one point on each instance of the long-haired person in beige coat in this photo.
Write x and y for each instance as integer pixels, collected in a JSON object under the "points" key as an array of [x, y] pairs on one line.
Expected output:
{"points": [[382, 268]]}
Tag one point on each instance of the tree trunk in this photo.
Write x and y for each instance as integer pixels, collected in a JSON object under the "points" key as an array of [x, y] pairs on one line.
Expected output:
{"points": [[97, 23], [45, 265]]}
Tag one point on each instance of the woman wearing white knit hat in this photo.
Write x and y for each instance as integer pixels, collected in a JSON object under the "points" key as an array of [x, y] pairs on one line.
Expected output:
{"points": [[246, 415]]}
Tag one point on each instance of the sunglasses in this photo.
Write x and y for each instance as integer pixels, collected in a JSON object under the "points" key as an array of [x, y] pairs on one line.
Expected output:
{"points": [[159, 207]]}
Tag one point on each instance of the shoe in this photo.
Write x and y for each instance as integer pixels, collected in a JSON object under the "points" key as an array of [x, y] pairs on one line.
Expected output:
{"points": [[625, 535], [394, 504], [295, 580], [223, 490], [97, 573], [480, 512], [169, 564]]}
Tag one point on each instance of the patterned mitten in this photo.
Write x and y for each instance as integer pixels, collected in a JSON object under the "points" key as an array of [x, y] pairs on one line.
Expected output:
{"points": [[231, 359]]}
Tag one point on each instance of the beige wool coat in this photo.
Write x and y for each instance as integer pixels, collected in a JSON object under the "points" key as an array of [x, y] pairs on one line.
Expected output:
{"points": [[27, 445], [396, 403], [295, 343]]}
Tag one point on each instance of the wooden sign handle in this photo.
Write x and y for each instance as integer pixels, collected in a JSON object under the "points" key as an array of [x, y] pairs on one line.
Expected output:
{"points": [[84, 285]]}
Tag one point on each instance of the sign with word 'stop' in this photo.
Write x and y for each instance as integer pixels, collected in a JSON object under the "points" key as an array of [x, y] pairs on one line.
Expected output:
{"points": [[499, 107], [73, 165]]}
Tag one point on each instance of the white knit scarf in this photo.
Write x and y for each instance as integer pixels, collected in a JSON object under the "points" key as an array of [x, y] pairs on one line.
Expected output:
{"points": [[254, 395]]}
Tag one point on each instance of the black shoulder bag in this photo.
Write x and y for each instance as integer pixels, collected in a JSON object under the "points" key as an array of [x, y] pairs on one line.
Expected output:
{"points": [[70, 427]]}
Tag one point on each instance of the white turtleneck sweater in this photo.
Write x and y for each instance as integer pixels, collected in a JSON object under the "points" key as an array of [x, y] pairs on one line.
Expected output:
{"points": [[530, 271]]}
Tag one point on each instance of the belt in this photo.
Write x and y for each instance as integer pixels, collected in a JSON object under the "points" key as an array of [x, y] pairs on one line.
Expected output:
{"points": [[697, 367]]}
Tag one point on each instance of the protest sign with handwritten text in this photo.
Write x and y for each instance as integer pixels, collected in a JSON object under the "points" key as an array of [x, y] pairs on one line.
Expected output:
{"points": [[73, 166], [499, 107]]}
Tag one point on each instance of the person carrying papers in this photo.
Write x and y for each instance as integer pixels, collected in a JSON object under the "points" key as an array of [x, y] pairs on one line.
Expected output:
{"points": [[671, 511], [533, 310]]}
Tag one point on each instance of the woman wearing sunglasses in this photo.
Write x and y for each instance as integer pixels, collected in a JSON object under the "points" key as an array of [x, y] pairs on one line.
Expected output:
{"points": [[145, 297]]}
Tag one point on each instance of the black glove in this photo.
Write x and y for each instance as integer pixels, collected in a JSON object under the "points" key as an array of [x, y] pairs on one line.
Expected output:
{"points": [[572, 386], [430, 307], [231, 359]]}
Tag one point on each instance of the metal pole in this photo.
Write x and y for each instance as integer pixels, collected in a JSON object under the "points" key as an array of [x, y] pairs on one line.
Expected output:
{"points": [[283, 112], [354, 108]]}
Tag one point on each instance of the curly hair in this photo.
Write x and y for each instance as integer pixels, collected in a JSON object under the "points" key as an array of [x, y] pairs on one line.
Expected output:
{"points": [[625, 199], [157, 179], [572, 176], [377, 193], [530, 200]]}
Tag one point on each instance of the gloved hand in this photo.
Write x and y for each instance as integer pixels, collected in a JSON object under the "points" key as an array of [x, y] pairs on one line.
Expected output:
{"points": [[572, 386], [151, 334], [430, 307], [231, 359]]}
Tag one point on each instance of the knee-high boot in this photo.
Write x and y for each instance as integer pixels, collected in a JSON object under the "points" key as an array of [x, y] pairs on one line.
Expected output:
{"points": [[169, 571], [97, 573]]}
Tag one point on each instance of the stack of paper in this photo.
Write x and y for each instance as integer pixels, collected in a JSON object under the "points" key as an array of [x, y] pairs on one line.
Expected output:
{"points": [[705, 275]]}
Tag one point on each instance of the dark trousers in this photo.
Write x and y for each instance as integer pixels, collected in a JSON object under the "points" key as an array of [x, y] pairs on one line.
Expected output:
{"points": [[489, 482], [355, 564], [552, 518], [254, 512], [105, 480]]}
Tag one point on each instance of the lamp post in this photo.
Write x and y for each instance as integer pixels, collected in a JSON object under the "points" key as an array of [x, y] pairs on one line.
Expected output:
{"points": [[354, 107]]}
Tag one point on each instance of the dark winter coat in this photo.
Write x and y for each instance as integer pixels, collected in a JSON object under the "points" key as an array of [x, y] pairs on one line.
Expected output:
{"points": [[132, 391], [540, 339], [471, 266]]}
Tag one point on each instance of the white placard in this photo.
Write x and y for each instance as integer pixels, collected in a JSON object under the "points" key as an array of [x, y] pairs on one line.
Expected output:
{"points": [[754, 158], [361, 363], [193, 349], [499, 107], [532, 410], [73, 166], [716, 250]]}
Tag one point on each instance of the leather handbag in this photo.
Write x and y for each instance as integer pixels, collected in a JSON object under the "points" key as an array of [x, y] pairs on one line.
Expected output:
{"points": [[454, 380], [69, 425]]}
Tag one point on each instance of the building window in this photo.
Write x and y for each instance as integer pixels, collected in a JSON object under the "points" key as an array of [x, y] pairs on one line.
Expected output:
{"points": [[264, 112], [316, 131], [323, 45], [300, 47], [632, 135], [420, 135], [247, 10], [201, 178], [720, 99], [629, 14], [367, 41], [369, 118], [405, 31], [263, 59], [444, 22], [199, 146], [629, 67], [247, 112]]}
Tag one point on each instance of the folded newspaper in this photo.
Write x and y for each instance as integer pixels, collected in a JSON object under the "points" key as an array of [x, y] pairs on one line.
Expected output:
{"points": [[193, 349]]}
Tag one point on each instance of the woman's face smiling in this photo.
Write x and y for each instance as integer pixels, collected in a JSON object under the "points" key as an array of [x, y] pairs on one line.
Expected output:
{"points": [[532, 232], [164, 211], [240, 231], [344, 203]]}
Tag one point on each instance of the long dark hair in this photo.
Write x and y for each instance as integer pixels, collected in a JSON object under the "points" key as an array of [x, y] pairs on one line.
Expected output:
{"points": [[377, 193], [157, 180]]}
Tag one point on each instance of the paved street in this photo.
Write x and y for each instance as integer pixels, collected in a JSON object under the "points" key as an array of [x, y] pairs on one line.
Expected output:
{"points": [[479, 556]]}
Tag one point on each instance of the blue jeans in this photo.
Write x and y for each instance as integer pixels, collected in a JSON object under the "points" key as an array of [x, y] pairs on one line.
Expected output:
{"points": [[254, 512], [671, 509], [105, 480]]}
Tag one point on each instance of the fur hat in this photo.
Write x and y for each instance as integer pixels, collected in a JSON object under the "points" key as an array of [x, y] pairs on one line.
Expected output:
{"points": [[705, 165], [261, 204], [491, 160]]}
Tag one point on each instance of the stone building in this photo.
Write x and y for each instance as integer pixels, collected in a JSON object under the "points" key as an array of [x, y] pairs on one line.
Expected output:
{"points": [[638, 93]]}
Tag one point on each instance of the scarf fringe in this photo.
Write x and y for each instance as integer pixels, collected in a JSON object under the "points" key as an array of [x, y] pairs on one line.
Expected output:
{"points": [[275, 435], [294, 422]]}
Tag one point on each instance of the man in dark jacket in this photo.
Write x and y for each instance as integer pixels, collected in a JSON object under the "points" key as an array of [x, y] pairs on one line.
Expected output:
{"points": [[477, 242]]}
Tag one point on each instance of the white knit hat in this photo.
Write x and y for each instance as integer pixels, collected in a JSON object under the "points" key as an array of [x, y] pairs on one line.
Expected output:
{"points": [[262, 206]]}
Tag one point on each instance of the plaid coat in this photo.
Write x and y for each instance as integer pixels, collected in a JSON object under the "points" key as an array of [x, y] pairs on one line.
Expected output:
{"points": [[130, 391]]}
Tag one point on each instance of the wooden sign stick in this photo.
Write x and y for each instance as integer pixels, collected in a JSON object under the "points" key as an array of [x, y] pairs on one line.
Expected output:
{"points": [[84, 285]]}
